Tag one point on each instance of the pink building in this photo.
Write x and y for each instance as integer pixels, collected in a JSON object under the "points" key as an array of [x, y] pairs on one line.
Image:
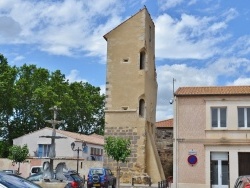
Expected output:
{"points": [[211, 136]]}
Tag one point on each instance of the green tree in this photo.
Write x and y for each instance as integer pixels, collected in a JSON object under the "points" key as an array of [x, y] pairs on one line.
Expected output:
{"points": [[8, 76], [84, 112], [27, 93], [18, 154], [4, 149], [119, 150]]}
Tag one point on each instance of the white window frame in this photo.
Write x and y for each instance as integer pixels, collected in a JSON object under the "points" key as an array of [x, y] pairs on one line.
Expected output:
{"points": [[244, 116], [218, 117]]}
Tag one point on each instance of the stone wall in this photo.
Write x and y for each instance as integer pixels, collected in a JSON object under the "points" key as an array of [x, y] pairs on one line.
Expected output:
{"points": [[131, 167], [164, 144]]}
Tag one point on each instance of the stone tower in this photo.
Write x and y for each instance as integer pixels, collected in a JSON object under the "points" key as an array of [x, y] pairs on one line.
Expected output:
{"points": [[131, 92]]}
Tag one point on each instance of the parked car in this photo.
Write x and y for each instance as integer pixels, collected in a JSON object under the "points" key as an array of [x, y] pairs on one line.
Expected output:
{"points": [[101, 177], [35, 177], [8, 180], [10, 172], [35, 169], [242, 182], [74, 180]]}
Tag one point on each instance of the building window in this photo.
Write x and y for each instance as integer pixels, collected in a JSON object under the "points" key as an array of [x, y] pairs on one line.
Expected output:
{"points": [[96, 154], [141, 108], [142, 59], [96, 151], [219, 119], [244, 117], [85, 149], [243, 163], [43, 150]]}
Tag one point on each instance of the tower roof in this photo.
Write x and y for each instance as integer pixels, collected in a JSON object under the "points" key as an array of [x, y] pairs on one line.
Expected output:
{"points": [[141, 10]]}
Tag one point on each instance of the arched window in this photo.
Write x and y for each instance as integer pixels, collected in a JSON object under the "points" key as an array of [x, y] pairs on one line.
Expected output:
{"points": [[141, 108], [142, 59]]}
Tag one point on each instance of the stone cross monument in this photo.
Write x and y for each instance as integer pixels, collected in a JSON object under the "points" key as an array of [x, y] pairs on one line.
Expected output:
{"points": [[52, 151]]}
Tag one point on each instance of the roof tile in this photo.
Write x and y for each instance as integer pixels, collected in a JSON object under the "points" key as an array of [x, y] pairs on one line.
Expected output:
{"points": [[164, 124], [93, 138], [213, 90]]}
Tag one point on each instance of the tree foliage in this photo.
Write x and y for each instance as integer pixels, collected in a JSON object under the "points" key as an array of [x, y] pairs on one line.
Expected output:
{"points": [[18, 154], [118, 149], [27, 93]]}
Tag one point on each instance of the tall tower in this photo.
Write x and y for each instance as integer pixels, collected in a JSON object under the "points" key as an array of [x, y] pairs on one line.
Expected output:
{"points": [[131, 92]]}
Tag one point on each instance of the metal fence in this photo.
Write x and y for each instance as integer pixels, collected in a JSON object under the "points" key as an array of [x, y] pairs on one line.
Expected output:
{"points": [[165, 183]]}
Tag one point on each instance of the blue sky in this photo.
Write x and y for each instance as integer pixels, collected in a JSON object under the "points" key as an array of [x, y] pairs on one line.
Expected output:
{"points": [[198, 42]]}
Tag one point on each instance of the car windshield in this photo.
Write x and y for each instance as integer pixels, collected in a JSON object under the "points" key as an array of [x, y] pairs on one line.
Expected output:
{"points": [[97, 171], [14, 181], [35, 177], [75, 177]]}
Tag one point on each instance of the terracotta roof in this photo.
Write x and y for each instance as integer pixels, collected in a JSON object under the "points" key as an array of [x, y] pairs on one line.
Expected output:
{"points": [[165, 123], [94, 138], [213, 90]]}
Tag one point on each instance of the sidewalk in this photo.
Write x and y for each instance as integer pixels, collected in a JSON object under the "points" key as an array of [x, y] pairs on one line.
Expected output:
{"points": [[124, 185]]}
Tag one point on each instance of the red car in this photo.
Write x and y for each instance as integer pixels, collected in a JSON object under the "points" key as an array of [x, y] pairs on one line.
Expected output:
{"points": [[242, 182]]}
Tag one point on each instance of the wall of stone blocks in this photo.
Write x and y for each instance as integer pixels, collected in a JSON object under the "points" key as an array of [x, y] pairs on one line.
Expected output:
{"points": [[132, 167]]}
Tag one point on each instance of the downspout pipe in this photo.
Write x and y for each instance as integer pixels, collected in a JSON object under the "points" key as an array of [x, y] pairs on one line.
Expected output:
{"points": [[176, 141]]}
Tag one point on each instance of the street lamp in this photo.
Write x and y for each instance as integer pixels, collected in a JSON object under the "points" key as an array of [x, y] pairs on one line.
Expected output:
{"points": [[78, 149]]}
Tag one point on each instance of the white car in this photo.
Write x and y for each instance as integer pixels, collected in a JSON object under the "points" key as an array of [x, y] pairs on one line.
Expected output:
{"points": [[36, 169]]}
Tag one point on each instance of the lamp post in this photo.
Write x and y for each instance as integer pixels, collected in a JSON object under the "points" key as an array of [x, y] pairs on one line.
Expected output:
{"points": [[78, 149]]}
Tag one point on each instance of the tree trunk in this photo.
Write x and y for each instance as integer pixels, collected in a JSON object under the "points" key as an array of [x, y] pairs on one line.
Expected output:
{"points": [[118, 175], [18, 168]]}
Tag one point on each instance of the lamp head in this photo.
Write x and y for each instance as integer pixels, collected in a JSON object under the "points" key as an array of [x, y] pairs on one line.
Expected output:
{"points": [[73, 145], [171, 101]]}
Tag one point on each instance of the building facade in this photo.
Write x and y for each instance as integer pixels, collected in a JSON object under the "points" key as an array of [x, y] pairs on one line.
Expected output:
{"points": [[211, 136], [131, 91], [39, 144]]}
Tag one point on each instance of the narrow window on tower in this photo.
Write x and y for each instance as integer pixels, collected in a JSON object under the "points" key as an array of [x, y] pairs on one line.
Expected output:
{"points": [[125, 60], [141, 108], [150, 33], [142, 59]]}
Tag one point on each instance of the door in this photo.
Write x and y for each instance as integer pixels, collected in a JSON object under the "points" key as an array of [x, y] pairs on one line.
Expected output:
{"points": [[219, 170]]}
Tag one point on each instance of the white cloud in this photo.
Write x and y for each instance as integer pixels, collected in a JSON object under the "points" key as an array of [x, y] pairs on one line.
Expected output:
{"points": [[209, 75], [240, 81], [240, 47], [11, 29], [166, 4], [75, 77], [184, 76], [18, 58], [229, 66], [68, 27], [190, 37], [103, 89]]}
